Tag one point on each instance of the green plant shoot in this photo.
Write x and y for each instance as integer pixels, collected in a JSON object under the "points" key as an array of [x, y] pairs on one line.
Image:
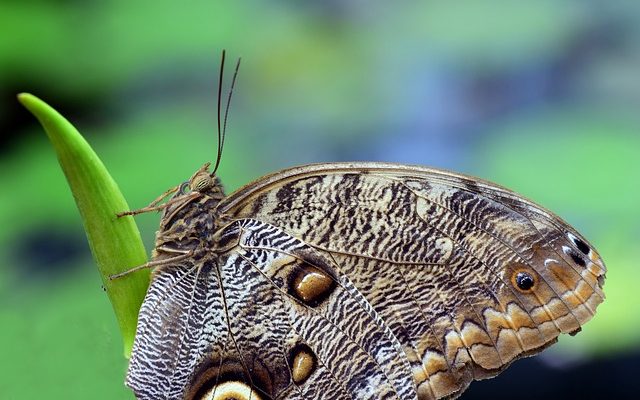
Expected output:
{"points": [[115, 242]]}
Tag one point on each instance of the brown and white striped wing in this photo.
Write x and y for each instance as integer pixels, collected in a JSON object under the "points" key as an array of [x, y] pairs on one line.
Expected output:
{"points": [[180, 319], [273, 321], [466, 275]]}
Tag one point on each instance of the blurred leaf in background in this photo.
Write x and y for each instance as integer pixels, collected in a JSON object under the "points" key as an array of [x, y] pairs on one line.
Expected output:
{"points": [[541, 97]]}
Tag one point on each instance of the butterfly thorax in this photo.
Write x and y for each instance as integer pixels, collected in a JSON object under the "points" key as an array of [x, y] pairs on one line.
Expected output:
{"points": [[190, 217]]}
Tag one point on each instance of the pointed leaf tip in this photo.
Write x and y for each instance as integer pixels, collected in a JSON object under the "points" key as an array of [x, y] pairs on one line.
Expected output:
{"points": [[115, 242]]}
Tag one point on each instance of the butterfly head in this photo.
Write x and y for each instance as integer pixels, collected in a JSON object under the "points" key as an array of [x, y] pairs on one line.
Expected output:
{"points": [[204, 183], [201, 180], [193, 200]]}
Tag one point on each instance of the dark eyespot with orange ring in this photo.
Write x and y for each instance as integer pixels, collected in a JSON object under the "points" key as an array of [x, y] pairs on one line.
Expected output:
{"points": [[524, 281]]}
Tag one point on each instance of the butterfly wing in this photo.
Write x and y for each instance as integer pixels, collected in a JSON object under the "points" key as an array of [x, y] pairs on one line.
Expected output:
{"points": [[179, 320], [269, 318], [468, 276]]}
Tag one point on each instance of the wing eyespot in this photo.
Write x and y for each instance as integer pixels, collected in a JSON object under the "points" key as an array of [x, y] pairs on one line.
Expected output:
{"points": [[310, 284], [229, 381], [524, 281], [579, 243], [302, 362], [231, 390], [574, 256]]}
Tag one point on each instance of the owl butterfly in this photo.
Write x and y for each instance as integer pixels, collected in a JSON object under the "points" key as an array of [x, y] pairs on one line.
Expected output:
{"points": [[353, 281]]}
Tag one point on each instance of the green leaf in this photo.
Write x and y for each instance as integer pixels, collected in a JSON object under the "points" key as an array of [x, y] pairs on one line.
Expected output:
{"points": [[115, 242]]}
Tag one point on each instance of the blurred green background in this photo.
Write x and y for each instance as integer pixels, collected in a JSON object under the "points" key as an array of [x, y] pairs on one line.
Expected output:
{"points": [[542, 97]]}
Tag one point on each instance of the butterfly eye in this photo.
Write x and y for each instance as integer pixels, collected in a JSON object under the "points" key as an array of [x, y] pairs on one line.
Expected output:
{"points": [[184, 188], [582, 246], [524, 281]]}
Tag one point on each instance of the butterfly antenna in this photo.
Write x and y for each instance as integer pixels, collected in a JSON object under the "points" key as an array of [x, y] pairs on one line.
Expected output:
{"points": [[220, 134], [226, 110]]}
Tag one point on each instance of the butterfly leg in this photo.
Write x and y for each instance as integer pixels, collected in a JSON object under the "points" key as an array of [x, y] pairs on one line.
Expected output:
{"points": [[153, 206], [155, 263]]}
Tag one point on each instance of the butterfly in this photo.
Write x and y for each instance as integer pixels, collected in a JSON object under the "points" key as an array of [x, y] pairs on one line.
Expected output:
{"points": [[353, 281]]}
